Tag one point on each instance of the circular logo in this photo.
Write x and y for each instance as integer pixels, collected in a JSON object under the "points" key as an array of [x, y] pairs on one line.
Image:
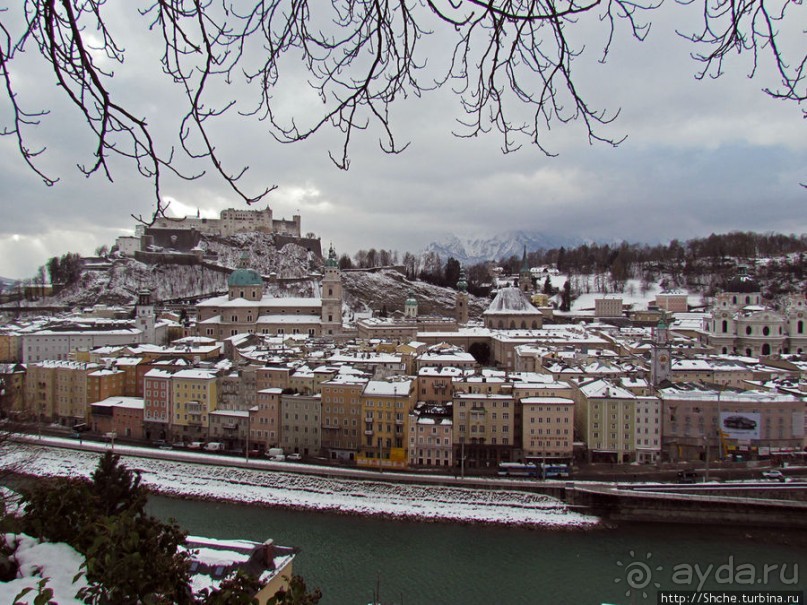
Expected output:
{"points": [[638, 574]]}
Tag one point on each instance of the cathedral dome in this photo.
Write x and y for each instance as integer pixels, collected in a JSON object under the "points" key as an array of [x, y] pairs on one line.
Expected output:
{"points": [[244, 277]]}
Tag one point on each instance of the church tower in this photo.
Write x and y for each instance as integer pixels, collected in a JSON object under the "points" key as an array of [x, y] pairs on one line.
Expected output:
{"points": [[461, 303], [411, 306], [661, 354], [145, 318], [525, 276], [331, 296]]}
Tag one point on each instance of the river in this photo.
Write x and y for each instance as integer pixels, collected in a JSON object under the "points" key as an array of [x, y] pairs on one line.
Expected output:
{"points": [[419, 563]]}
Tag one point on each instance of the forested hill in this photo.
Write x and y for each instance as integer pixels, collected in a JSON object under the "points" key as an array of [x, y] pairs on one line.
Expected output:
{"points": [[703, 264]]}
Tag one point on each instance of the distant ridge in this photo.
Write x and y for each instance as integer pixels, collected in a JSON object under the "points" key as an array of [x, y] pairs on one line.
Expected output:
{"points": [[504, 245]]}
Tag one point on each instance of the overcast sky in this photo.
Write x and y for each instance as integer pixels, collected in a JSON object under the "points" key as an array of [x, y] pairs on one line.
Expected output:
{"points": [[700, 157]]}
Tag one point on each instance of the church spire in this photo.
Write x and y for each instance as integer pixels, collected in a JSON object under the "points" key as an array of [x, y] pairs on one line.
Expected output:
{"points": [[332, 260]]}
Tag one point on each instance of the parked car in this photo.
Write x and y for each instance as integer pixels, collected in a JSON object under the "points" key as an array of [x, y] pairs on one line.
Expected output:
{"points": [[687, 476], [178, 445], [294, 457], [278, 458], [196, 445], [774, 475], [214, 446]]}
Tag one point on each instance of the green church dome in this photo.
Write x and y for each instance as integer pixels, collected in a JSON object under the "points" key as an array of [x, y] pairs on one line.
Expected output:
{"points": [[244, 277]]}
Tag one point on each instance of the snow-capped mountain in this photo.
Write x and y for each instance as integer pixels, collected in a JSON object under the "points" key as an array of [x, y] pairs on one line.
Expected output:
{"points": [[469, 251]]}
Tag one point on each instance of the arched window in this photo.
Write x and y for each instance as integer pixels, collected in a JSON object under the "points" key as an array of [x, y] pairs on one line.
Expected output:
{"points": [[748, 330], [748, 352], [523, 325], [766, 331], [800, 327], [748, 300], [725, 326], [725, 350], [766, 349]]}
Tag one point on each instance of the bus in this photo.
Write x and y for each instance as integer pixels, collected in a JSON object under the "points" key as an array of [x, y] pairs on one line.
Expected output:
{"points": [[517, 469], [554, 471]]}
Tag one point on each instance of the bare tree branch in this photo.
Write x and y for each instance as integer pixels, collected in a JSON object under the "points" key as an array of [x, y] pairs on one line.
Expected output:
{"points": [[511, 65]]}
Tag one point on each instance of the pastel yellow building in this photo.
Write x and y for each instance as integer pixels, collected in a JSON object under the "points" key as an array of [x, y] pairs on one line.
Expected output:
{"points": [[385, 412], [194, 395], [56, 391]]}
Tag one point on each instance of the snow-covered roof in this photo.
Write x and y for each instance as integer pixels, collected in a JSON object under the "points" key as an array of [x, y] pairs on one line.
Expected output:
{"points": [[547, 401], [266, 301], [382, 388], [132, 403], [605, 388], [511, 301], [279, 318], [195, 373]]}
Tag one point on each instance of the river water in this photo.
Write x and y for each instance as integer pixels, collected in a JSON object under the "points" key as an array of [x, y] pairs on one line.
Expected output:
{"points": [[412, 563]]}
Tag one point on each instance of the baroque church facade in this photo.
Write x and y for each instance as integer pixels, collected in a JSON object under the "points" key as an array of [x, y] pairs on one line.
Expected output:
{"points": [[248, 309], [742, 324]]}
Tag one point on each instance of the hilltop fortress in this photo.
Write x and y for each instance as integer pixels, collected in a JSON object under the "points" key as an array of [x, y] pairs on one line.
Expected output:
{"points": [[232, 221], [181, 236]]}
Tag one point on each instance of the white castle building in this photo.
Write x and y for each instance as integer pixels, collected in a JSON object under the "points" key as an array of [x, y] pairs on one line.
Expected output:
{"points": [[233, 221]]}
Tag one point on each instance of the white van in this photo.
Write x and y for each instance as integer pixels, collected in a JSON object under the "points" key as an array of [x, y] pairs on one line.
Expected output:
{"points": [[275, 454], [214, 446]]}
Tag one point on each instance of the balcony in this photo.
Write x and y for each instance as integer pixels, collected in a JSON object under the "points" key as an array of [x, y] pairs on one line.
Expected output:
{"points": [[229, 426]]}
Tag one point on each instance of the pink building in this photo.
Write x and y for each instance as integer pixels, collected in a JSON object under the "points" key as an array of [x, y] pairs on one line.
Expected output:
{"points": [[157, 404], [264, 431]]}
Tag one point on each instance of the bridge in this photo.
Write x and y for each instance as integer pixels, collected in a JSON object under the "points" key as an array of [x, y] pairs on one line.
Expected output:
{"points": [[752, 504]]}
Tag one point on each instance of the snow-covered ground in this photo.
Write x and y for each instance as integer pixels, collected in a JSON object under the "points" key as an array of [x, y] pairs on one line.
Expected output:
{"points": [[59, 564], [292, 490]]}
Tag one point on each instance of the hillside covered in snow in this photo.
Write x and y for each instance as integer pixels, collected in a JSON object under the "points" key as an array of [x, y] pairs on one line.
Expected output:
{"points": [[290, 270]]}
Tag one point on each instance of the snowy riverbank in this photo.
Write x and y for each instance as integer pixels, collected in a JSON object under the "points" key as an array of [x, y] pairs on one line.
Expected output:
{"points": [[266, 487]]}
